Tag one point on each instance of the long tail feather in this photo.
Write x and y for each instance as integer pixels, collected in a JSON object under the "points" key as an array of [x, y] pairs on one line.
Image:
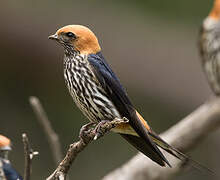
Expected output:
{"points": [[142, 146], [161, 143]]}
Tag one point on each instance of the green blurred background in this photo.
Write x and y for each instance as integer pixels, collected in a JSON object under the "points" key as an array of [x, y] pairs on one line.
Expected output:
{"points": [[150, 44]]}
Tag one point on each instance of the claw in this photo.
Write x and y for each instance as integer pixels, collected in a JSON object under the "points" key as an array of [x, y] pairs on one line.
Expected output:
{"points": [[85, 128], [98, 129], [125, 120], [96, 137]]}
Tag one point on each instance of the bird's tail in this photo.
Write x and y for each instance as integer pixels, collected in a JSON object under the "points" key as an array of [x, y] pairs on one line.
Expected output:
{"points": [[188, 161]]}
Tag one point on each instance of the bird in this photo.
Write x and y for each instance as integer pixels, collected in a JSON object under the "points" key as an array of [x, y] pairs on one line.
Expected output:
{"points": [[98, 93], [209, 47], [7, 172]]}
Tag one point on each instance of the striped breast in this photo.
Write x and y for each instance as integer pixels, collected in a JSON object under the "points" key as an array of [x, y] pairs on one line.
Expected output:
{"points": [[2, 174], [85, 89]]}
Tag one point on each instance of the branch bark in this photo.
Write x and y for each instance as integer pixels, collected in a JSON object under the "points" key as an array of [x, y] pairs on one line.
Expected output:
{"points": [[87, 135], [183, 136], [52, 137], [28, 156]]}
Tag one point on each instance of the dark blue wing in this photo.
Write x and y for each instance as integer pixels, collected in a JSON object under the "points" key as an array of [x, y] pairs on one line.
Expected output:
{"points": [[111, 84], [10, 172], [118, 96]]}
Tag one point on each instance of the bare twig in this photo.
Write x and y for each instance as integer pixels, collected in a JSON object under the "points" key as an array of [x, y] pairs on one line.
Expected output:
{"points": [[183, 136], [51, 135], [28, 155], [86, 136], [27, 167]]}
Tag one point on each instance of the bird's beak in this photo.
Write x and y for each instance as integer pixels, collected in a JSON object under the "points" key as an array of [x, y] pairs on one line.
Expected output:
{"points": [[53, 37]]}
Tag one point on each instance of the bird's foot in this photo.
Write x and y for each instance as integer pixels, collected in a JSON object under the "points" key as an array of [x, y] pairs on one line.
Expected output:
{"points": [[85, 131], [105, 125], [101, 129]]}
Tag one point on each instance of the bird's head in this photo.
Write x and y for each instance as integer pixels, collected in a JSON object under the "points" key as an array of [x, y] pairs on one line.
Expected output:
{"points": [[5, 146], [215, 12], [77, 37], [212, 21]]}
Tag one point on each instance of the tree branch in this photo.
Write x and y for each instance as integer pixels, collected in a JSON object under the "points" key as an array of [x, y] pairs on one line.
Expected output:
{"points": [[28, 156], [87, 135], [52, 137], [183, 136]]}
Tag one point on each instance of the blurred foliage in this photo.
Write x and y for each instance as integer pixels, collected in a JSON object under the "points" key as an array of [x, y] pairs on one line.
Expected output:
{"points": [[186, 11]]}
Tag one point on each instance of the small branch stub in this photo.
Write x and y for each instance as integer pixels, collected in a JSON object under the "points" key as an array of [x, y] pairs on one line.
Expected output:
{"points": [[28, 155]]}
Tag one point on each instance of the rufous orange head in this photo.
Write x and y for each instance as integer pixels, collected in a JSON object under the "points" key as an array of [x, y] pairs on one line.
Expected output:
{"points": [[81, 38], [5, 143], [215, 12]]}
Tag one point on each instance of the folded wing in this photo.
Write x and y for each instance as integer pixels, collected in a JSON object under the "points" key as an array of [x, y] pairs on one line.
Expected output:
{"points": [[117, 94]]}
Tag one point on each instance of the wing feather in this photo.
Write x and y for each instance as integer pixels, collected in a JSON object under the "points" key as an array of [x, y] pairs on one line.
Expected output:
{"points": [[119, 97]]}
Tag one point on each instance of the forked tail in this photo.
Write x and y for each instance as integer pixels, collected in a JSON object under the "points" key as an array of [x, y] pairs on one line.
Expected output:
{"points": [[188, 161]]}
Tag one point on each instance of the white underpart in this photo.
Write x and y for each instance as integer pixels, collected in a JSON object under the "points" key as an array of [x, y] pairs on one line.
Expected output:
{"points": [[210, 39]]}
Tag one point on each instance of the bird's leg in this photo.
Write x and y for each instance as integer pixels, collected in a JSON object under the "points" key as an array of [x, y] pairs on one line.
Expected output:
{"points": [[85, 131]]}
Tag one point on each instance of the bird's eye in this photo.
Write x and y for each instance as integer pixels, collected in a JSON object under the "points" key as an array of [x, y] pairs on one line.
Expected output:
{"points": [[70, 35]]}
